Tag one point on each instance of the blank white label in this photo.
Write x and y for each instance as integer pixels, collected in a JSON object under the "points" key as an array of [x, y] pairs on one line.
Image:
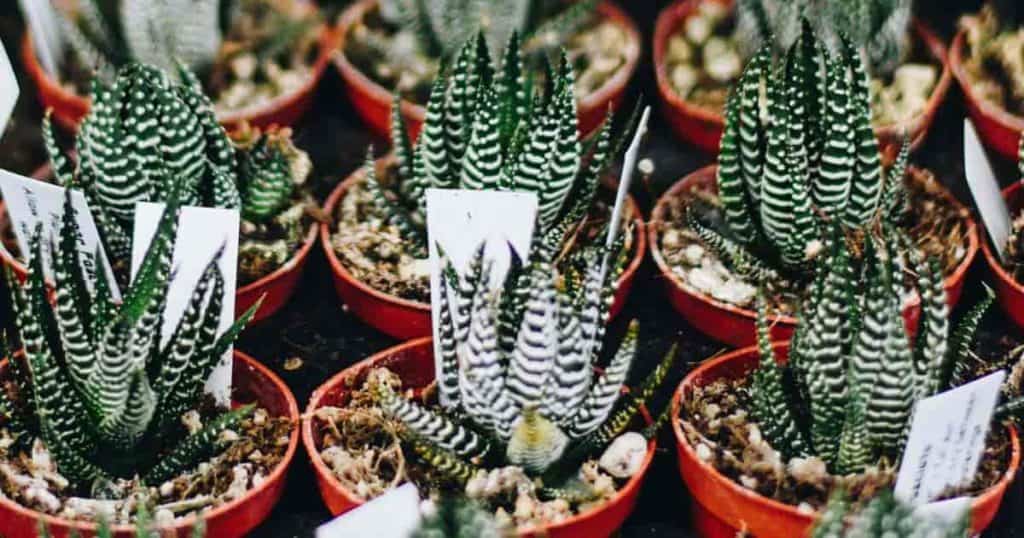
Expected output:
{"points": [[985, 189], [395, 514]]}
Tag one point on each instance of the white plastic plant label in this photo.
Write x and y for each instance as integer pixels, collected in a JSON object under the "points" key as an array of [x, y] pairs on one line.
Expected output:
{"points": [[31, 202], [947, 439], [985, 189], [395, 514], [460, 220], [202, 232], [46, 36], [626, 178], [8, 88]]}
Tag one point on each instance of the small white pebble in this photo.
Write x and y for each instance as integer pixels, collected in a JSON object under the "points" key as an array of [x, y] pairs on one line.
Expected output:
{"points": [[704, 453], [645, 166]]}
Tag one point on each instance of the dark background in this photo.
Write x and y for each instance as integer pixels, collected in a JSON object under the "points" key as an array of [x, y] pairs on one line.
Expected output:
{"points": [[316, 329]]}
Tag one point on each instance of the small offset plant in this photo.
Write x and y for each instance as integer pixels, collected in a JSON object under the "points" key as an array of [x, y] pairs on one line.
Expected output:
{"points": [[147, 136], [458, 517], [883, 516], [98, 386], [517, 387]]}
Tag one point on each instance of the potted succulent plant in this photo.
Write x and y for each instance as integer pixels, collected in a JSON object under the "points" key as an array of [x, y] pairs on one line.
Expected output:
{"points": [[101, 419], [795, 164], [260, 60], [766, 434], [1007, 273], [884, 515], [700, 47], [516, 419], [122, 159], [484, 130], [400, 45], [985, 58]]}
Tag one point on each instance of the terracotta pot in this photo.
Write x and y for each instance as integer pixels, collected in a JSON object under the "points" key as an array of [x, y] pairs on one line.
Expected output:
{"points": [[405, 319], [414, 363], [721, 507], [736, 326], [277, 288], [703, 127], [373, 101], [1009, 292], [998, 128], [253, 382], [69, 107]]}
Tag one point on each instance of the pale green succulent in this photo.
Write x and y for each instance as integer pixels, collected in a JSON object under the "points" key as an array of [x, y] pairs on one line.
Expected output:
{"points": [[884, 516]]}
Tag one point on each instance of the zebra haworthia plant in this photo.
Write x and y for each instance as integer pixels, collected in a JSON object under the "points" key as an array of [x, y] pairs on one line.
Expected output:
{"points": [[516, 377], [494, 130], [798, 156], [147, 136], [855, 375], [97, 385], [884, 516]]}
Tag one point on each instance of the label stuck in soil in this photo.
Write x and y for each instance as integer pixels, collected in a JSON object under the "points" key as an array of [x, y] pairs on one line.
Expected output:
{"points": [[202, 232], [625, 181], [947, 440], [395, 514], [985, 189], [30, 202], [460, 220], [46, 36], [8, 88]]}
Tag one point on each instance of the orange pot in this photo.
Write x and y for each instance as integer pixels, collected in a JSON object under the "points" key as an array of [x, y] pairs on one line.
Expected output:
{"points": [[998, 128], [722, 507], [69, 107], [703, 127], [405, 319], [414, 363], [736, 326], [1009, 292], [373, 101], [252, 382]]}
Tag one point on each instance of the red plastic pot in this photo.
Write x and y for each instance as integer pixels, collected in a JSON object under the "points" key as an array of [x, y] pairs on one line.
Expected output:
{"points": [[276, 288], [405, 319], [998, 128], [414, 362], [69, 107], [373, 101], [735, 326], [703, 127], [252, 382], [1009, 292], [722, 507]]}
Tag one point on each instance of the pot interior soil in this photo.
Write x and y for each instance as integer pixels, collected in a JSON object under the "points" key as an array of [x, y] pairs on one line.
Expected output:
{"points": [[391, 57], [939, 229], [1014, 262], [717, 425], [703, 59], [993, 60], [375, 253], [366, 453], [29, 476]]}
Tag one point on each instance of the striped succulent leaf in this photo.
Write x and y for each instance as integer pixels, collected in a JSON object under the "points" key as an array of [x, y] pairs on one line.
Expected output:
{"points": [[959, 365], [867, 178], [930, 349], [598, 404], [537, 343], [430, 425]]}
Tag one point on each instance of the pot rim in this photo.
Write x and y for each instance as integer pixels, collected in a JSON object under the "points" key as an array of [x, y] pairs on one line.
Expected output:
{"points": [[276, 475], [336, 383], [733, 489], [608, 9], [640, 240], [1005, 118], [673, 15], [706, 174]]}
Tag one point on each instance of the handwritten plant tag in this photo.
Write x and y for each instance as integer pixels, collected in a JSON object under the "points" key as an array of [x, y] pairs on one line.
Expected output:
{"points": [[8, 88], [947, 439], [202, 232], [460, 220], [46, 35], [395, 514], [30, 202], [985, 189]]}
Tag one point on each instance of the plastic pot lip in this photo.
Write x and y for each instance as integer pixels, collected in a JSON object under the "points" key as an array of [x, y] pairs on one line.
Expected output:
{"points": [[684, 448], [672, 16], [1009, 194], [1000, 115], [328, 43], [340, 271], [275, 476], [324, 472], [416, 112], [707, 174]]}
